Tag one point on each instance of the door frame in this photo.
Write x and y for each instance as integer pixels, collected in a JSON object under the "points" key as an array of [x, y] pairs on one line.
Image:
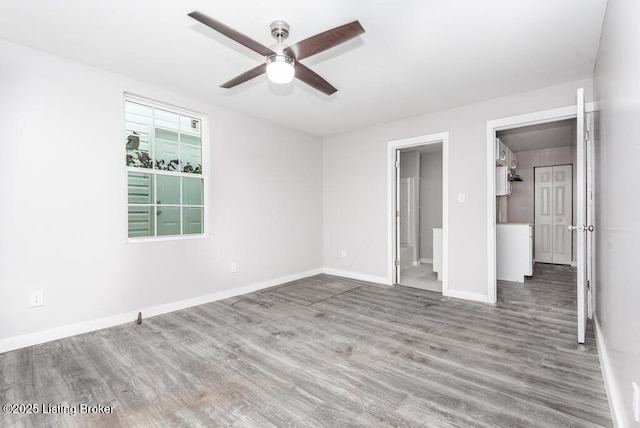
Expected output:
{"points": [[392, 146], [536, 118]]}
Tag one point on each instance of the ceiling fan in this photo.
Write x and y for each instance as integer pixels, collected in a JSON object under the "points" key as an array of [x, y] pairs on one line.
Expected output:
{"points": [[282, 63]]}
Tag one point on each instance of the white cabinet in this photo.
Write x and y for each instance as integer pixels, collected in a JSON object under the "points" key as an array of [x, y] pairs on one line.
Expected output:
{"points": [[514, 251], [503, 185], [501, 152]]}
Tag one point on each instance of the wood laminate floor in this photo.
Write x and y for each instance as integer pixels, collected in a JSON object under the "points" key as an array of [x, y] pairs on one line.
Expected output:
{"points": [[327, 352]]}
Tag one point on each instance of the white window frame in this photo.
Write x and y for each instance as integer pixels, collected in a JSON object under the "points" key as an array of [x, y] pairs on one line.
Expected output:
{"points": [[204, 133]]}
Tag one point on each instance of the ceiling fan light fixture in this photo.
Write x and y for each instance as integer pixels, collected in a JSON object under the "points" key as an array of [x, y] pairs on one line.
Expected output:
{"points": [[280, 68]]}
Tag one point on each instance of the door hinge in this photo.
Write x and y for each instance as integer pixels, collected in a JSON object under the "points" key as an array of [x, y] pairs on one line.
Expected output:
{"points": [[397, 262], [586, 135], [397, 164], [397, 214]]}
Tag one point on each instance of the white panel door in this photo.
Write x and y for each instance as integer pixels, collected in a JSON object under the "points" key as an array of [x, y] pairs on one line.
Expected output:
{"points": [[553, 214], [562, 213], [544, 215], [579, 228]]}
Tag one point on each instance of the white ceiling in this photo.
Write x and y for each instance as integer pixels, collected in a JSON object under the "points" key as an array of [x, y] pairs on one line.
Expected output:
{"points": [[543, 136], [417, 56]]}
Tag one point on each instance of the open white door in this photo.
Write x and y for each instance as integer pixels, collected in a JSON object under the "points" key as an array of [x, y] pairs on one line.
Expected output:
{"points": [[581, 215], [397, 213], [590, 217]]}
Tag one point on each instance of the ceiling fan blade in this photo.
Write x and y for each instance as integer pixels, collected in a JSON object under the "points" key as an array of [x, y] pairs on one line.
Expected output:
{"points": [[313, 79], [323, 41], [231, 33], [247, 75]]}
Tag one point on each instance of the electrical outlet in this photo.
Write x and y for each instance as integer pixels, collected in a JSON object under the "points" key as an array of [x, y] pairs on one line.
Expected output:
{"points": [[36, 298], [343, 254], [636, 401], [234, 267]]}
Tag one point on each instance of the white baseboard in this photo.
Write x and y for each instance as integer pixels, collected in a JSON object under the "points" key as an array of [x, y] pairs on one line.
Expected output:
{"points": [[22, 341], [358, 276], [610, 384], [30, 339], [476, 297], [467, 295], [426, 261]]}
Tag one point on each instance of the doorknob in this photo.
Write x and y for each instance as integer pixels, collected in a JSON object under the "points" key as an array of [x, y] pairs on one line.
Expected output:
{"points": [[591, 228]]}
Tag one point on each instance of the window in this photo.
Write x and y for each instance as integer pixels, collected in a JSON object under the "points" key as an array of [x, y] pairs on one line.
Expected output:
{"points": [[165, 172]]}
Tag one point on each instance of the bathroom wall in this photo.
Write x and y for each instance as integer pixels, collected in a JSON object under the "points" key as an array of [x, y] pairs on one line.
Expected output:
{"points": [[409, 164], [430, 201]]}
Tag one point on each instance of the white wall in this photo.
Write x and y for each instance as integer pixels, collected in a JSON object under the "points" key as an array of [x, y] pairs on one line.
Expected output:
{"points": [[355, 187], [617, 87], [430, 200], [63, 223]]}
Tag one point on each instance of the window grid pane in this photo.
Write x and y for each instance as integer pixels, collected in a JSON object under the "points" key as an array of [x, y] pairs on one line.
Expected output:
{"points": [[166, 196]]}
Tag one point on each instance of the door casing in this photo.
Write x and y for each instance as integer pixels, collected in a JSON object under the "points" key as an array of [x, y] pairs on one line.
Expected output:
{"points": [[392, 250], [546, 116]]}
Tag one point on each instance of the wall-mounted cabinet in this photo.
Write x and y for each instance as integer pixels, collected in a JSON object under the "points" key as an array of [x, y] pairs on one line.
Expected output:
{"points": [[503, 185]]}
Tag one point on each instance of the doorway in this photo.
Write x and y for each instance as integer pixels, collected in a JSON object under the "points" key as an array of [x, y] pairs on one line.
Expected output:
{"points": [[417, 189], [420, 214], [581, 217], [540, 189]]}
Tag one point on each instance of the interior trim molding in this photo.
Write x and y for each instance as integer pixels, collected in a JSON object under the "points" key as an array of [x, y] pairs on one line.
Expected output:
{"points": [[355, 275], [610, 385], [467, 295], [30, 339]]}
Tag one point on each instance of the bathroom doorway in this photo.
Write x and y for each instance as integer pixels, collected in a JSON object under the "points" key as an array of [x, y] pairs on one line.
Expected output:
{"points": [[419, 213]]}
